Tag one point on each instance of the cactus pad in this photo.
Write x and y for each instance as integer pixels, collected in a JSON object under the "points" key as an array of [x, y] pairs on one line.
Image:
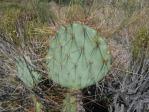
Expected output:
{"points": [[78, 57], [26, 73]]}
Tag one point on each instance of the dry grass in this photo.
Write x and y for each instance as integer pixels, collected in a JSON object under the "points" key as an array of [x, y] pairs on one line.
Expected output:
{"points": [[119, 23]]}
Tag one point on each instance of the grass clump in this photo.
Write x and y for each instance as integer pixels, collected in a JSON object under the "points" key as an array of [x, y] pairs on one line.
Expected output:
{"points": [[141, 43], [9, 23]]}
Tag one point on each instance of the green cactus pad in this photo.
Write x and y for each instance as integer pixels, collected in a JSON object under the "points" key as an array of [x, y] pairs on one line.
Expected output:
{"points": [[26, 73], [78, 57]]}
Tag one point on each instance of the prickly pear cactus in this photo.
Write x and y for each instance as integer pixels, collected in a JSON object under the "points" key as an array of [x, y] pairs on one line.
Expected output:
{"points": [[26, 73], [28, 76], [78, 57]]}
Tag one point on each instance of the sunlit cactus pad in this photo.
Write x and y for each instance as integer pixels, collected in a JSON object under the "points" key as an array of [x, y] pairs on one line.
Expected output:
{"points": [[78, 57], [26, 73]]}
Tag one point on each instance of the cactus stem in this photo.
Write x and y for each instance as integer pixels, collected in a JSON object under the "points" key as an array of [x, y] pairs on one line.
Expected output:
{"points": [[73, 101]]}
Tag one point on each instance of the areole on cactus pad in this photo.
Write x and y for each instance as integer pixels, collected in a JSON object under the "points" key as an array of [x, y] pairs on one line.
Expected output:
{"points": [[78, 57]]}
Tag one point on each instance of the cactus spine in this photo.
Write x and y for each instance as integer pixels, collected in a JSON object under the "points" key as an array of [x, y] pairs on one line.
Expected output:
{"points": [[77, 58]]}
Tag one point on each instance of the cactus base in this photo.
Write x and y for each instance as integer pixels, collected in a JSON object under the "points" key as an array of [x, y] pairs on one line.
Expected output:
{"points": [[73, 102]]}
